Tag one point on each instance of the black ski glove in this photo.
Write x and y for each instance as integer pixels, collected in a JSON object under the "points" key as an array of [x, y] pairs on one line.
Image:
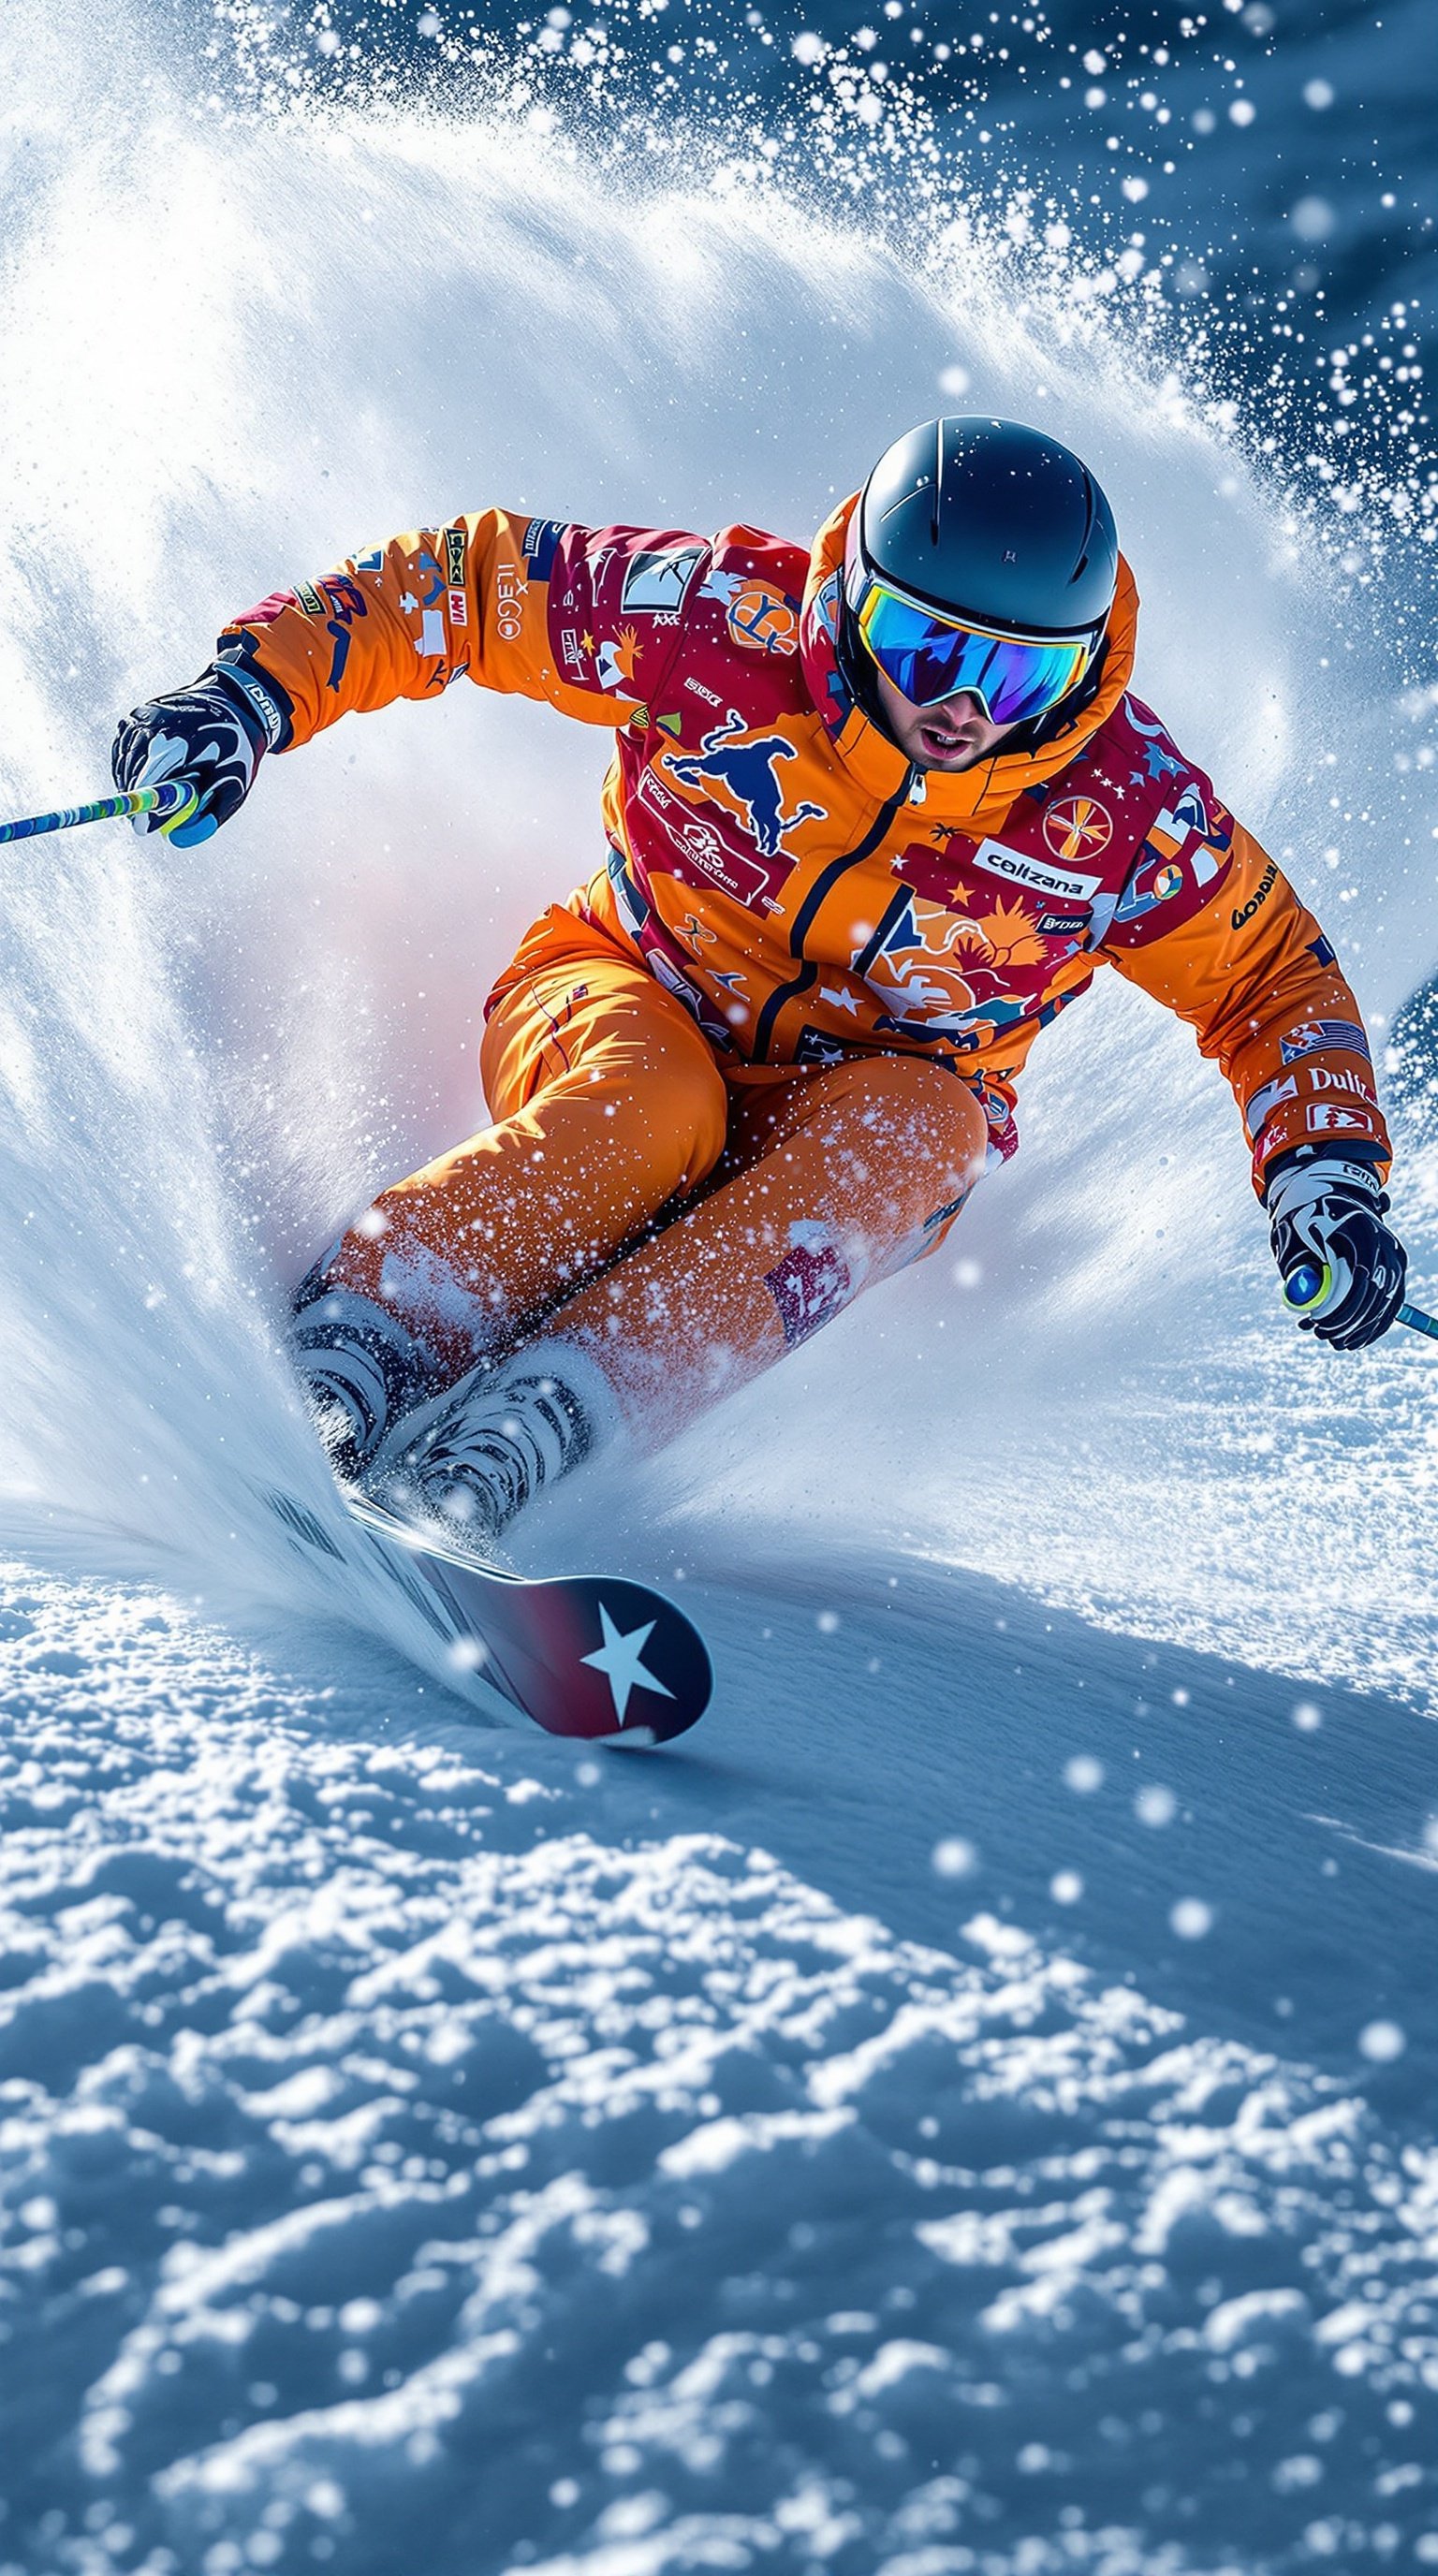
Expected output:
{"points": [[1342, 1270], [212, 735]]}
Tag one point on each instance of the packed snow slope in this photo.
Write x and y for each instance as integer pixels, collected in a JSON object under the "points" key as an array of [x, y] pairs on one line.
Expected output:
{"points": [[969, 2106]]}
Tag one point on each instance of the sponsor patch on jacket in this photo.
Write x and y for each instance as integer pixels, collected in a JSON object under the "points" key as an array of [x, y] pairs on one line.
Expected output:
{"points": [[813, 1280], [454, 558], [1263, 1104], [657, 584], [762, 619], [310, 600], [1327, 1077], [1062, 925], [1324, 1033], [1261, 892], [1332, 1118], [1019, 867], [539, 546], [1078, 827]]}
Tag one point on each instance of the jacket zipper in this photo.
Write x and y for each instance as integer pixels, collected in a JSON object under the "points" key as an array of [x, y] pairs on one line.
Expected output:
{"points": [[813, 901]]}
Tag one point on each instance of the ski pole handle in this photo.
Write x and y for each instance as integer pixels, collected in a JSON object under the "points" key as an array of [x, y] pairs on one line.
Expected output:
{"points": [[172, 802], [1308, 1286]]}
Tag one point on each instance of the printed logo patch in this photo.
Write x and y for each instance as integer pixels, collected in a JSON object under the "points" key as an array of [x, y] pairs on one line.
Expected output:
{"points": [[746, 771], [1324, 1033], [812, 1282], [1020, 869], [1078, 827], [658, 584], [1326, 1118], [763, 620], [1263, 1104], [1258, 898]]}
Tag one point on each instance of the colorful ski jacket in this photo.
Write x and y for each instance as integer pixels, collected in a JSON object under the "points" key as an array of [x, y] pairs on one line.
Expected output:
{"points": [[780, 866]]}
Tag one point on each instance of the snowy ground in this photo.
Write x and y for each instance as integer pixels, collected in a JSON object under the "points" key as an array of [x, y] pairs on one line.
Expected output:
{"points": [[969, 2107], [990, 2149]]}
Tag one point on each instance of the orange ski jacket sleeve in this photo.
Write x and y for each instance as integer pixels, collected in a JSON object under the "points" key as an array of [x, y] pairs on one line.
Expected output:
{"points": [[441, 604], [1255, 978]]}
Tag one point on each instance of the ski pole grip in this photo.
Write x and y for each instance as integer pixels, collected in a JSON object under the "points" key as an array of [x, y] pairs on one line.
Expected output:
{"points": [[1307, 1286]]}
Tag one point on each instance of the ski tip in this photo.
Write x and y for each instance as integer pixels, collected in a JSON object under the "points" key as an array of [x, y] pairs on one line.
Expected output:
{"points": [[636, 1675]]}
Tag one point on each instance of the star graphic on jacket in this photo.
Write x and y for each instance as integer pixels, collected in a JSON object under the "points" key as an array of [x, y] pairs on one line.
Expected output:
{"points": [[838, 1001], [620, 1659]]}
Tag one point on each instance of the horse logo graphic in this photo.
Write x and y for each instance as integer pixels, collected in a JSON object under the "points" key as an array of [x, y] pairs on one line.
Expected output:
{"points": [[746, 771]]}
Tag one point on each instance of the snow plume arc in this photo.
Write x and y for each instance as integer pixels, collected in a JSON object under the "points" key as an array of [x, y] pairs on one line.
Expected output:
{"points": [[238, 347]]}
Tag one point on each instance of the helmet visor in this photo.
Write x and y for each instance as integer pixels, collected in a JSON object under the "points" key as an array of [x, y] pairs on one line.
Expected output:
{"points": [[929, 657]]}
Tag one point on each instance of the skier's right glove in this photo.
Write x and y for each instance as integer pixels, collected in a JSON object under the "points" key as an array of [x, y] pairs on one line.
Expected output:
{"points": [[212, 735], [1342, 1269]]}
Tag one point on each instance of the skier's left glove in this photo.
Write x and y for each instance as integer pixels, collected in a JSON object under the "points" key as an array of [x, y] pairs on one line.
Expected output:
{"points": [[1342, 1269], [212, 735]]}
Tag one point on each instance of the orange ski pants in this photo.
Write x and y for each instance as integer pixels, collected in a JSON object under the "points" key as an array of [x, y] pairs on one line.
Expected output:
{"points": [[583, 1210]]}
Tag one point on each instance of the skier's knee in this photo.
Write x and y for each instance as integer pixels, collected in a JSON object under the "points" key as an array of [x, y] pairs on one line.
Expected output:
{"points": [[908, 1104], [685, 1109]]}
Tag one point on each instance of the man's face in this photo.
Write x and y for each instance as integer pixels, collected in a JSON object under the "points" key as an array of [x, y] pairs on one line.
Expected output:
{"points": [[952, 735]]}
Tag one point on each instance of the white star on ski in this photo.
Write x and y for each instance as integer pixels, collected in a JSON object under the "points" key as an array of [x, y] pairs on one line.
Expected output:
{"points": [[620, 1661]]}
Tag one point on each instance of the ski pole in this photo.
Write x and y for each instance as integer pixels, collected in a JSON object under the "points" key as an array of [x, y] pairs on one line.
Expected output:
{"points": [[171, 802], [1308, 1285]]}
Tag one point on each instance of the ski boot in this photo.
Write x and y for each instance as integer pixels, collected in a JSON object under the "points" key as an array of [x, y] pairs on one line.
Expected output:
{"points": [[362, 1373], [471, 1459]]}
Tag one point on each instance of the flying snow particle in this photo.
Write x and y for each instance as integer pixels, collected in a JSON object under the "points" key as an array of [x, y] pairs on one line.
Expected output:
{"points": [[1083, 1774], [1312, 218], [1306, 1717], [953, 1857], [967, 1274], [1191, 1918], [429, 23], [955, 380], [1066, 1887], [1135, 189], [1318, 93], [807, 48], [1382, 2041], [1155, 1805], [1094, 62], [826, 1622], [1242, 111]]}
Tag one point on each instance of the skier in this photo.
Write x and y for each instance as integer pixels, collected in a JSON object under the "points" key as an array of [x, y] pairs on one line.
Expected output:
{"points": [[877, 812]]}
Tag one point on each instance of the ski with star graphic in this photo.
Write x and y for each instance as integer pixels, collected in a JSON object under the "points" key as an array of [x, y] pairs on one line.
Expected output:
{"points": [[584, 1655]]}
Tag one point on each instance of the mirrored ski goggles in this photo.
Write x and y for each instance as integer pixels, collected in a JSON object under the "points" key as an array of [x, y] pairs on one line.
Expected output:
{"points": [[929, 657]]}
